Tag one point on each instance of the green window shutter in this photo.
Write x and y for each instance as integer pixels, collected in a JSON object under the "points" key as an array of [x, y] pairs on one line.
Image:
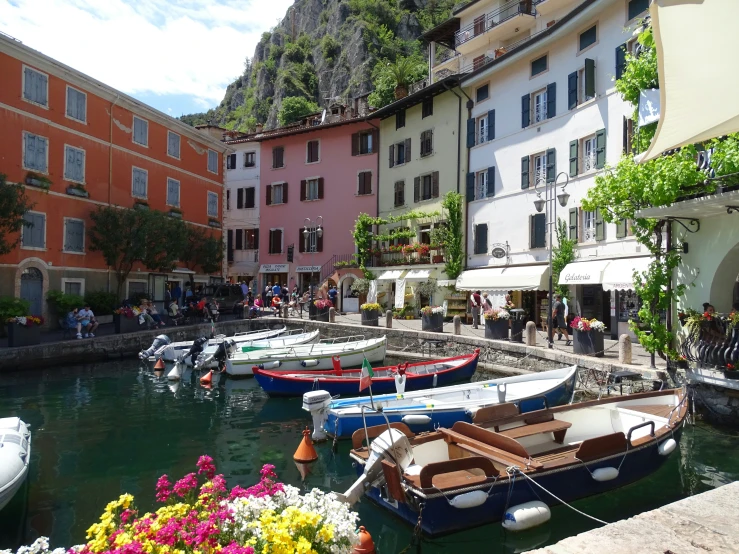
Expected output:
{"points": [[573, 224], [600, 149], [470, 187], [551, 165], [525, 172], [470, 133], [538, 230], [525, 110], [621, 228], [491, 124], [572, 90], [391, 152], [620, 60], [491, 181], [600, 226], [573, 158], [589, 78], [551, 100], [416, 189]]}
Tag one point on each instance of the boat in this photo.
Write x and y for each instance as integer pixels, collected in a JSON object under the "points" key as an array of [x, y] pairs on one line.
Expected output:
{"points": [[411, 377], [509, 463], [15, 455], [424, 410], [206, 360], [351, 352], [172, 351]]}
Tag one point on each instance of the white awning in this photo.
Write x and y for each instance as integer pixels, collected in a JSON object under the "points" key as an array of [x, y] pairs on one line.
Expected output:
{"points": [[418, 275], [390, 275], [583, 273], [697, 84], [705, 206], [619, 274], [530, 277]]}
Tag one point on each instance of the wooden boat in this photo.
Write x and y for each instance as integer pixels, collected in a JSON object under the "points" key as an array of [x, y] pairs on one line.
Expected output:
{"points": [[411, 377], [172, 351], [295, 337], [471, 475], [311, 357], [15, 455], [425, 410]]}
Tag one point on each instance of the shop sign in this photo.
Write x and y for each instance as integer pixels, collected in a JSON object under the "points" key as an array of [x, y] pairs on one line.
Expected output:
{"points": [[574, 277], [308, 268], [274, 268], [499, 251]]}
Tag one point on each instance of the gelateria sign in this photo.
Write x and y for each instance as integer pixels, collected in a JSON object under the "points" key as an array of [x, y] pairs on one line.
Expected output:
{"points": [[308, 269], [274, 268]]}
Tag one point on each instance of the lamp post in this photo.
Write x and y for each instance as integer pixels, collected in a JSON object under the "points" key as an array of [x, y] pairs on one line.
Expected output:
{"points": [[312, 231], [550, 195]]}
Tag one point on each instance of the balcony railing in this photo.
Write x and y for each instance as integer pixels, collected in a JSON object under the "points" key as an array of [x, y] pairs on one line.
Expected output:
{"points": [[492, 19], [387, 258], [419, 85], [481, 61], [710, 343]]}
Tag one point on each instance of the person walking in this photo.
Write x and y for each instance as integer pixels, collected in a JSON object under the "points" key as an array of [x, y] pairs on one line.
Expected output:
{"points": [[244, 289], [476, 302], [177, 293], [558, 319]]}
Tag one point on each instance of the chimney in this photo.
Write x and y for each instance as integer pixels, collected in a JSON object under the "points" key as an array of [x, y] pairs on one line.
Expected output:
{"points": [[258, 128]]}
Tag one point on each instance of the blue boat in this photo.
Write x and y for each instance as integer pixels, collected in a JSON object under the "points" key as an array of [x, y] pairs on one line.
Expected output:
{"points": [[415, 376], [471, 475], [425, 410]]}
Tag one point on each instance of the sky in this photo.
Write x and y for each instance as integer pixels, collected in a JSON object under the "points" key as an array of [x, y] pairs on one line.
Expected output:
{"points": [[176, 55]]}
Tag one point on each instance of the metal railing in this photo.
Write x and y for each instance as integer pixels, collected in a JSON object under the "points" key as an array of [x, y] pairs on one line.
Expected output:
{"points": [[419, 85], [470, 67], [495, 18], [328, 268]]}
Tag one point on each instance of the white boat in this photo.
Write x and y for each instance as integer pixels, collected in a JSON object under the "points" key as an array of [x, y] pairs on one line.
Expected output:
{"points": [[351, 352], [15, 455], [172, 351], [295, 337]]}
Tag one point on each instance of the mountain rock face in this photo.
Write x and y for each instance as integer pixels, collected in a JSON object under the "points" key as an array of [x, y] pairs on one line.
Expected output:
{"points": [[322, 51]]}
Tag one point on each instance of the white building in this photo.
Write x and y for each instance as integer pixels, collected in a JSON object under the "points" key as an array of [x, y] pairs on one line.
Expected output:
{"points": [[241, 216], [541, 76]]}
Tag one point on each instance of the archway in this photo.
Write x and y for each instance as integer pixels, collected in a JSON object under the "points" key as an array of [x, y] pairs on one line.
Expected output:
{"points": [[32, 289], [725, 282], [349, 303]]}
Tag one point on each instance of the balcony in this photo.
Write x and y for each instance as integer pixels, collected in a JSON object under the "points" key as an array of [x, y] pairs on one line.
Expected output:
{"points": [[546, 7], [481, 61], [711, 341], [502, 24], [245, 256], [412, 254]]}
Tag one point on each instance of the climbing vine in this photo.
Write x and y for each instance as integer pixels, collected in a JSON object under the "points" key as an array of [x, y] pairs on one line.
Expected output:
{"points": [[564, 253], [452, 234]]}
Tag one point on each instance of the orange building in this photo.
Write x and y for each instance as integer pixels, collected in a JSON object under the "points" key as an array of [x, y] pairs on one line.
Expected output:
{"points": [[96, 146]]}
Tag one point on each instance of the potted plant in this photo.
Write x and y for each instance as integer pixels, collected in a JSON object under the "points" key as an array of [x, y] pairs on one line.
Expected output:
{"points": [[496, 323], [370, 314], [24, 330], [587, 336], [322, 306], [36, 180], [402, 73], [432, 319], [140, 204], [361, 287], [731, 372], [126, 320], [175, 212], [78, 189], [214, 223]]}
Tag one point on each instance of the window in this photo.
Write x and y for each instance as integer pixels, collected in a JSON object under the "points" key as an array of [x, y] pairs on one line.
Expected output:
{"points": [[482, 93], [250, 159], [275, 241], [539, 100], [538, 231], [587, 147], [251, 239], [231, 161], [478, 62], [278, 157], [213, 161], [399, 190], [481, 184], [212, 204], [35, 86], [539, 65], [173, 144], [139, 183], [588, 226], [365, 183], [34, 230], [479, 24], [173, 193], [74, 164], [427, 108], [311, 189], [630, 47], [400, 152], [228, 199], [588, 154], [424, 234], [539, 166], [239, 239], [636, 8], [249, 197], [427, 143], [140, 131], [482, 129], [137, 287], [312, 154], [74, 286], [581, 84], [277, 194], [481, 238], [543, 104], [35, 150], [587, 38], [400, 120], [74, 235], [363, 143], [76, 104], [426, 187]]}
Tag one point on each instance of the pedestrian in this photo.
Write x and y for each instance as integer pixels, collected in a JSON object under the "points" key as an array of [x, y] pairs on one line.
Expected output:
{"points": [[177, 293], [558, 318], [487, 304], [476, 302], [188, 292], [285, 293], [332, 295], [276, 289], [86, 315], [244, 289], [268, 296]]}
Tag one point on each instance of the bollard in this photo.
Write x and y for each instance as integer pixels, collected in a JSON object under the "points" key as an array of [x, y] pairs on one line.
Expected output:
{"points": [[624, 349], [530, 334], [475, 317], [389, 319], [331, 315], [284, 311], [457, 325]]}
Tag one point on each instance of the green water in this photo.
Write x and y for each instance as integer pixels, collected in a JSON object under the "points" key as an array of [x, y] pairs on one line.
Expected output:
{"points": [[100, 430]]}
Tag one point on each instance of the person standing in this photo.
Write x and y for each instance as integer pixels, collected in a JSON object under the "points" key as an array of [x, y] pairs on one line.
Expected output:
{"points": [[476, 301], [558, 319], [333, 295], [277, 289], [244, 289], [177, 293]]}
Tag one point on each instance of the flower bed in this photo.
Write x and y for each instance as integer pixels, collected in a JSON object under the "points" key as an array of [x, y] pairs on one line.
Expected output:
{"points": [[370, 314], [24, 330], [588, 337], [432, 319]]}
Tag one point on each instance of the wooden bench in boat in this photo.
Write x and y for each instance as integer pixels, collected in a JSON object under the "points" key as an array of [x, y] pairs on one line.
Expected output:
{"points": [[534, 423], [555, 426], [482, 442]]}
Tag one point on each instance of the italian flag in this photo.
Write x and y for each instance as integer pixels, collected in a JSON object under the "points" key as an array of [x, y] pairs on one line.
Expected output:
{"points": [[365, 379]]}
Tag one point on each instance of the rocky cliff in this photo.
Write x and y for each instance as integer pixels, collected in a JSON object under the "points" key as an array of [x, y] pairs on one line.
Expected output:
{"points": [[323, 51]]}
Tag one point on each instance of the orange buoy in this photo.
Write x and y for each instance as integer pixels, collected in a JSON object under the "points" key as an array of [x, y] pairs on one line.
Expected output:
{"points": [[207, 379], [159, 364], [303, 469], [365, 545], [305, 452]]}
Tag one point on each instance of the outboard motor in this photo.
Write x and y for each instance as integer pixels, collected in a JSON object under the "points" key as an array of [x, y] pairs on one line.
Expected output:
{"points": [[221, 354], [159, 342], [197, 347], [317, 403]]}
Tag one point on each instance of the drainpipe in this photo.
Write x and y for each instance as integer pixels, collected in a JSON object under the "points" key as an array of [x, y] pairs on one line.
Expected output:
{"points": [[378, 165], [110, 165]]}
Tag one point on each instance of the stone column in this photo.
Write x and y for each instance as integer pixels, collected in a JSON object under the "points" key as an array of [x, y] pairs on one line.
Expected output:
{"points": [[624, 349], [530, 334], [331, 315], [457, 325], [389, 319]]}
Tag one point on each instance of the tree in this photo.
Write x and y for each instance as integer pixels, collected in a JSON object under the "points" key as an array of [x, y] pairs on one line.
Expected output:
{"points": [[14, 203], [295, 107], [203, 250], [452, 204], [387, 75], [166, 240]]}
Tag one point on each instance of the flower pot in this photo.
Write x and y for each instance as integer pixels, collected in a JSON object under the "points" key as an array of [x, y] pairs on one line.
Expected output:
{"points": [[408, 317], [125, 324], [322, 314], [731, 374], [496, 329], [517, 326], [76, 191], [401, 92], [588, 343], [371, 318], [433, 323], [438, 259], [20, 335]]}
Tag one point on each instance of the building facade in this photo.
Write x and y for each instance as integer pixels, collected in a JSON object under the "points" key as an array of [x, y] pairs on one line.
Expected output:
{"points": [[78, 144]]}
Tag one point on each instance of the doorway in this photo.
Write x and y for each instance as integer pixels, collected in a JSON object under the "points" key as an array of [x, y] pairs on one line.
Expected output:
{"points": [[32, 290]]}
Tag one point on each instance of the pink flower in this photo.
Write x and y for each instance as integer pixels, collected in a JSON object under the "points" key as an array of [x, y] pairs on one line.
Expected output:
{"points": [[214, 486], [205, 465], [163, 489], [126, 515], [186, 484], [234, 548]]}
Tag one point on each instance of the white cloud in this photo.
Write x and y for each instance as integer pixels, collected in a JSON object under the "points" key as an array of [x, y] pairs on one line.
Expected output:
{"points": [[190, 47]]}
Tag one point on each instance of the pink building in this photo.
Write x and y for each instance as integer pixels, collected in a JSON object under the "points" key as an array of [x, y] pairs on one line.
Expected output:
{"points": [[308, 170]]}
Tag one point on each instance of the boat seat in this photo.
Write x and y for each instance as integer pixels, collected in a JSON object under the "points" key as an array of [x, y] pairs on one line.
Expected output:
{"points": [[496, 446], [558, 428]]}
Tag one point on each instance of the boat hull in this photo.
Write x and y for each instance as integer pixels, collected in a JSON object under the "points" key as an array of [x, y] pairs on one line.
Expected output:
{"points": [[15, 456], [173, 351], [282, 341]]}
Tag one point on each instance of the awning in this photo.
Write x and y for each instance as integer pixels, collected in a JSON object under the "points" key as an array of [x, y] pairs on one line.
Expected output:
{"points": [[619, 274], [583, 273], [705, 206], [697, 87], [418, 275], [274, 268], [530, 277], [390, 275]]}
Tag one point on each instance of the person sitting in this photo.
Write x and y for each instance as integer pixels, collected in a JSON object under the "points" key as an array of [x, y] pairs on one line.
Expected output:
{"points": [[276, 304], [74, 323], [258, 307], [144, 316], [174, 312], [212, 310], [151, 309]]}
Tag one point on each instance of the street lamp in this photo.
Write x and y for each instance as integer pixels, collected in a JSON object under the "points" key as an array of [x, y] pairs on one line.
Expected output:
{"points": [[312, 231], [550, 194]]}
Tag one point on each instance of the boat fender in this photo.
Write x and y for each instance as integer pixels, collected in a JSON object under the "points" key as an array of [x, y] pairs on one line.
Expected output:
{"points": [[400, 383], [270, 365], [605, 474], [666, 448], [175, 373], [502, 389], [471, 413], [416, 420], [436, 376], [309, 363], [471, 499], [525, 516]]}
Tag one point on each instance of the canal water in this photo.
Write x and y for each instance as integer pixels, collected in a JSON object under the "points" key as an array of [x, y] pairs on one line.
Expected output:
{"points": [[104, 429]]}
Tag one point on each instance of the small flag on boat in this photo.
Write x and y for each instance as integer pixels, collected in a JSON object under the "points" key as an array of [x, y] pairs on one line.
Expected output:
{"points": [[337, 365], [365, 379]]}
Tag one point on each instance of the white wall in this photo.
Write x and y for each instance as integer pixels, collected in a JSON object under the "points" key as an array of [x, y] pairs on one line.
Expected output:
{"points": [[233, 218]]}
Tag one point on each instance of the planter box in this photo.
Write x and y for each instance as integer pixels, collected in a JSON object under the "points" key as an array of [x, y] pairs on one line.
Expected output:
{"points": [[733, 375], [496, 329], [517, 327], [588, 343], [37, 183], [437, 259], [214, 223], [174, 214], [322, 315], [20, 335], [140, 206], [103, 319], [371, 318], [125, 324], [433, 323], [75, 191]]}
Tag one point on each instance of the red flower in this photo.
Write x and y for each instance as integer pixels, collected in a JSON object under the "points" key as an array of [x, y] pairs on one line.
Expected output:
{"points": [[730, 367]]}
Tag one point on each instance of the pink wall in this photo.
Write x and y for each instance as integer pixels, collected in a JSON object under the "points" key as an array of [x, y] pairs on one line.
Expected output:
{"points": [[339, 206]]}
